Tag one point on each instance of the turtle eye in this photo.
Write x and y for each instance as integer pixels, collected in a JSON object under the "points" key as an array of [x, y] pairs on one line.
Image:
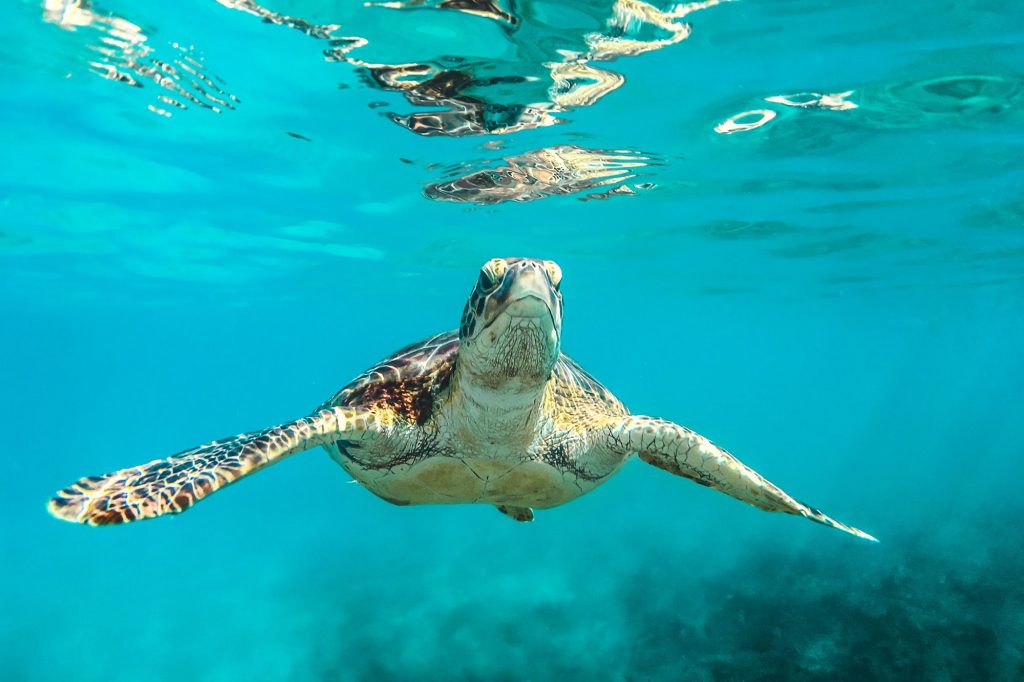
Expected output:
{"points": [[497, 266], [487, 281], [491, 273], [554, 272]]}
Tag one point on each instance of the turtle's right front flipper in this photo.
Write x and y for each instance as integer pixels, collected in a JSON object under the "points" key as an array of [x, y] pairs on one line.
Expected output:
{"points": [[172, 485], [682, 452]]}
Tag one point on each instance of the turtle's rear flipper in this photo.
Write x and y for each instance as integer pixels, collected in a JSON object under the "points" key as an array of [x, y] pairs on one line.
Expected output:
{"points": [[172, 485], [517, 513]]}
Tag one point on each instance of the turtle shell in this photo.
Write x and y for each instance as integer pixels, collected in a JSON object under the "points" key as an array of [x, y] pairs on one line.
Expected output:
{"points": [[408, 381]]}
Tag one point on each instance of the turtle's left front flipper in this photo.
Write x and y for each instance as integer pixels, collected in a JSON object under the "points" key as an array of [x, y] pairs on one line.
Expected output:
{"points": [[680, 451], [172, 485]]}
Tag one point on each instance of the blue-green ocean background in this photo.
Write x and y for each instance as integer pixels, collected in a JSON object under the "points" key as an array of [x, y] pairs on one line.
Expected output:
{"points": [[837, 297]]}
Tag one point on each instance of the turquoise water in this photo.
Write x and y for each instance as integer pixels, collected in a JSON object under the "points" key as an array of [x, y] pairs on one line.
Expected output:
{"points": [[215, 214]]}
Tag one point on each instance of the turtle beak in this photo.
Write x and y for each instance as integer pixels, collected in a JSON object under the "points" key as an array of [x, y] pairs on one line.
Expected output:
{"points": [[527, 292]]}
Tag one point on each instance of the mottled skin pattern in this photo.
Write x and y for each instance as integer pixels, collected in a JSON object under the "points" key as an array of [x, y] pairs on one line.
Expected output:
{"points": [[172, 485], [492, 413]]}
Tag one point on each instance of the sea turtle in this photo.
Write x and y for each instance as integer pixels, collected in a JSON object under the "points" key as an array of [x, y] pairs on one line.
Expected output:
{"points": [[492, 413]]}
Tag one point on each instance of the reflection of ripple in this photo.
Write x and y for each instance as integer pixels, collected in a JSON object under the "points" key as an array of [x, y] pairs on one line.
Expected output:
{"points": [[815, 100], [480, 8], [271, 17], [744, 121], [956, 99], [756, 118], [466, 94], [122, 54], [634, 27], [959, 98], [554, 171], [454, 113]]}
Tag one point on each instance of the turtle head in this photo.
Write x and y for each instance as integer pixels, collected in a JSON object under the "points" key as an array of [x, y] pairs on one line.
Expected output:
{"points": [[512, 326]]}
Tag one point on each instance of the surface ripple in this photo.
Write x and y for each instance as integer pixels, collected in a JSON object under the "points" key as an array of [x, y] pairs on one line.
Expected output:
{"points": [[121, 51]]}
